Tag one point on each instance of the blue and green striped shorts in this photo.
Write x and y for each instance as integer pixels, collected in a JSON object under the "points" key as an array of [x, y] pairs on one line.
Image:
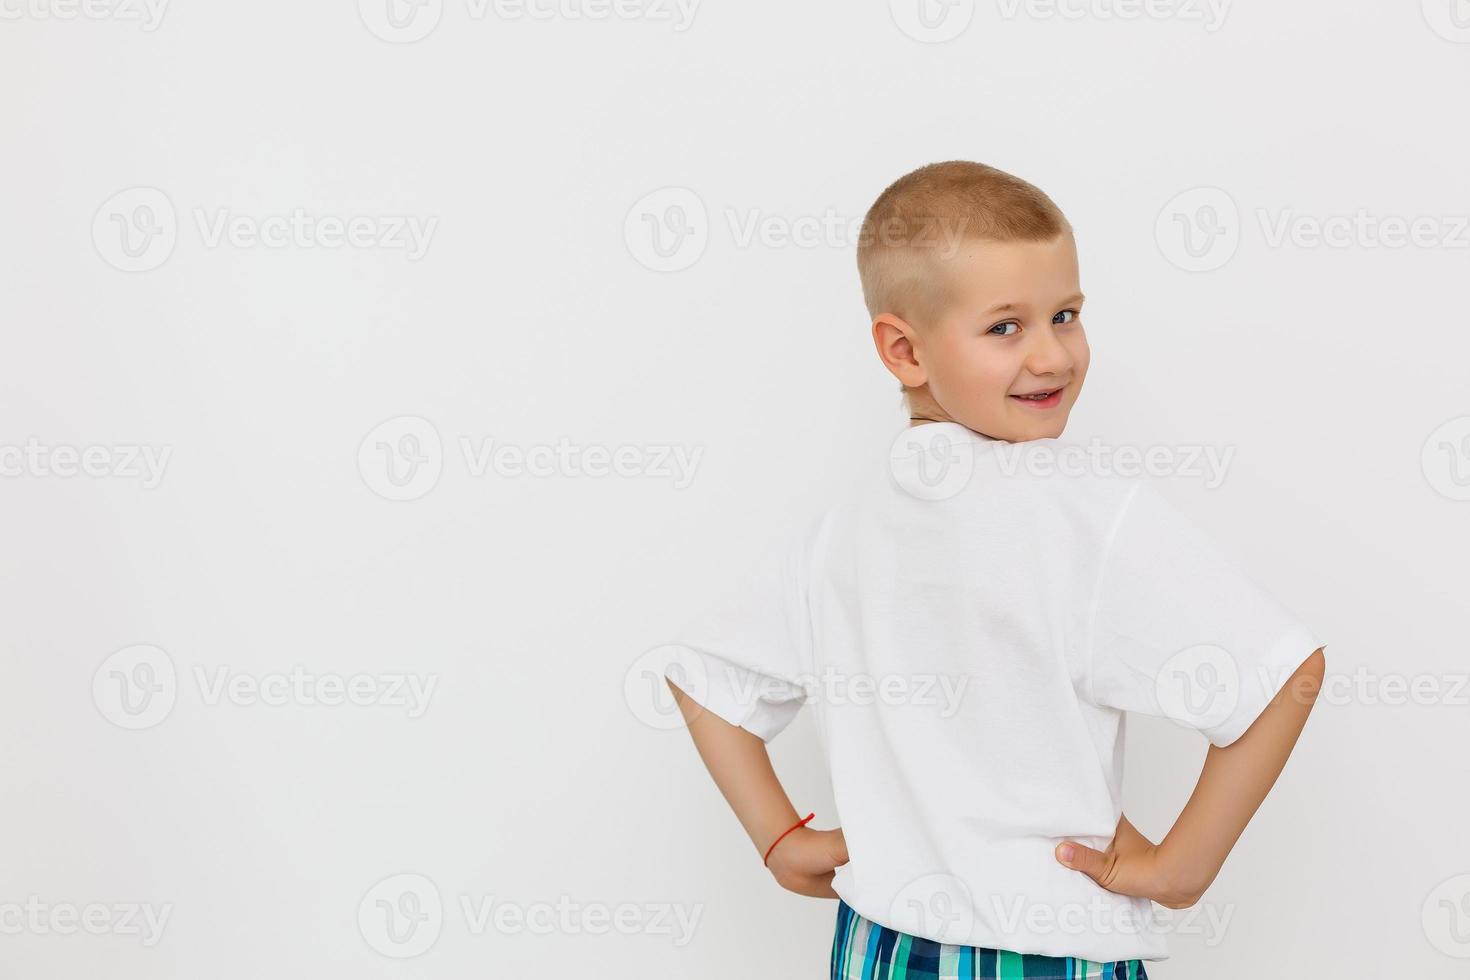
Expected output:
{"points": [[864, 950]]}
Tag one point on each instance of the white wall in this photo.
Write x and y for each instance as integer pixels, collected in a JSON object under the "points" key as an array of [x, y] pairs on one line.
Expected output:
{"points": [[523, 151]]}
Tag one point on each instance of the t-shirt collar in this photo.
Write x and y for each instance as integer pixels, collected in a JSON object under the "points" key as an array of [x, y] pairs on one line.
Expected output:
{"points": [[954, 430]]}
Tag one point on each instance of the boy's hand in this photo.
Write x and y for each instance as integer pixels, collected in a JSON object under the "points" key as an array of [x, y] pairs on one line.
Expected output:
{"points": [[804, 860], [1130, 866]]}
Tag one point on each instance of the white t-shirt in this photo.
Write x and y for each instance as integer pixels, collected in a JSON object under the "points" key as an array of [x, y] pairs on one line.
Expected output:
{"points": [[969, 629]]}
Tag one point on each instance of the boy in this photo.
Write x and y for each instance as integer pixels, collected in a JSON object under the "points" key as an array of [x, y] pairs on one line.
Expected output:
{"points": [[984, 836]]}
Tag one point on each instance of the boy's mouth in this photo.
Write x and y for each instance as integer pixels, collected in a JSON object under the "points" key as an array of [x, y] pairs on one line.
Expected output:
{"points": [[1042, 398]]}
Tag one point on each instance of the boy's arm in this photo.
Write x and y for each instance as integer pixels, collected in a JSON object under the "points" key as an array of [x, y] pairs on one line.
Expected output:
{"points": [[738, 762], [1233, 783], [1235, 780]]}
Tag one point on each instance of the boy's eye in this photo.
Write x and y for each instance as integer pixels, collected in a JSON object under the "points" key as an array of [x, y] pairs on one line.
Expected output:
{"points": [[1011, 326]]}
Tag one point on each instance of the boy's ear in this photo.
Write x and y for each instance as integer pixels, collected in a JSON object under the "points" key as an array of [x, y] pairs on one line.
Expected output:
{"points": [[894, 338]]}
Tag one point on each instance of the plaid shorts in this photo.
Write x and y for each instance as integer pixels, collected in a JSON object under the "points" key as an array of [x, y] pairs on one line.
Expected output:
{"points": [[864, 950]]}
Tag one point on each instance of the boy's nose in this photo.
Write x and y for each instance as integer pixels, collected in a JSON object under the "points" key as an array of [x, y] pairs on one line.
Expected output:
{"points": [[1048, 355]]}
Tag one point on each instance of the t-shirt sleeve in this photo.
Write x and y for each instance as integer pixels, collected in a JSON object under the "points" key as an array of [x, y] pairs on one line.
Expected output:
{"points": [[740, 651], [1180, 630]]}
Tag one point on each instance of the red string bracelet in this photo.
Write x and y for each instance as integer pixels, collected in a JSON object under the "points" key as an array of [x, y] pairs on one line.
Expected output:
{"points": [[767, 860]]}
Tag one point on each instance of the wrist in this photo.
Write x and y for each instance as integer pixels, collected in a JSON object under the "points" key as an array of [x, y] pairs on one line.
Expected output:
{"points": [[791, 860], [791, 829], [768, 826]]}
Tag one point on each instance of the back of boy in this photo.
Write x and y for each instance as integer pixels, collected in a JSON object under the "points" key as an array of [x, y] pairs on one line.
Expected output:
{"points": [[973, 620]]}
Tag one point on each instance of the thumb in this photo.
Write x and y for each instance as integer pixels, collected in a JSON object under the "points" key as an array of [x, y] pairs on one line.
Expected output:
{"points": [[1082, 858]]}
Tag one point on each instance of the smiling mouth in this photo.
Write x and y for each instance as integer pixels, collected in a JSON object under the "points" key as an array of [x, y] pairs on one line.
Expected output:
{"points": [[1042, 399]]}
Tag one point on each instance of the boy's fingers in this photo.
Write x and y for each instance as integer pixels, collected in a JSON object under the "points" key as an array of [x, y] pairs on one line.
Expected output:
{"points": [[1082, 858]]}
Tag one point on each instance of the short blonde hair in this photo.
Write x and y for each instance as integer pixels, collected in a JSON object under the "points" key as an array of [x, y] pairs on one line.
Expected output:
{"points": [[924, 214]]}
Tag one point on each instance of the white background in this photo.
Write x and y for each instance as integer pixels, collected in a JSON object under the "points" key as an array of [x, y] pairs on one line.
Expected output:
{"points": [[538, 772]]}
